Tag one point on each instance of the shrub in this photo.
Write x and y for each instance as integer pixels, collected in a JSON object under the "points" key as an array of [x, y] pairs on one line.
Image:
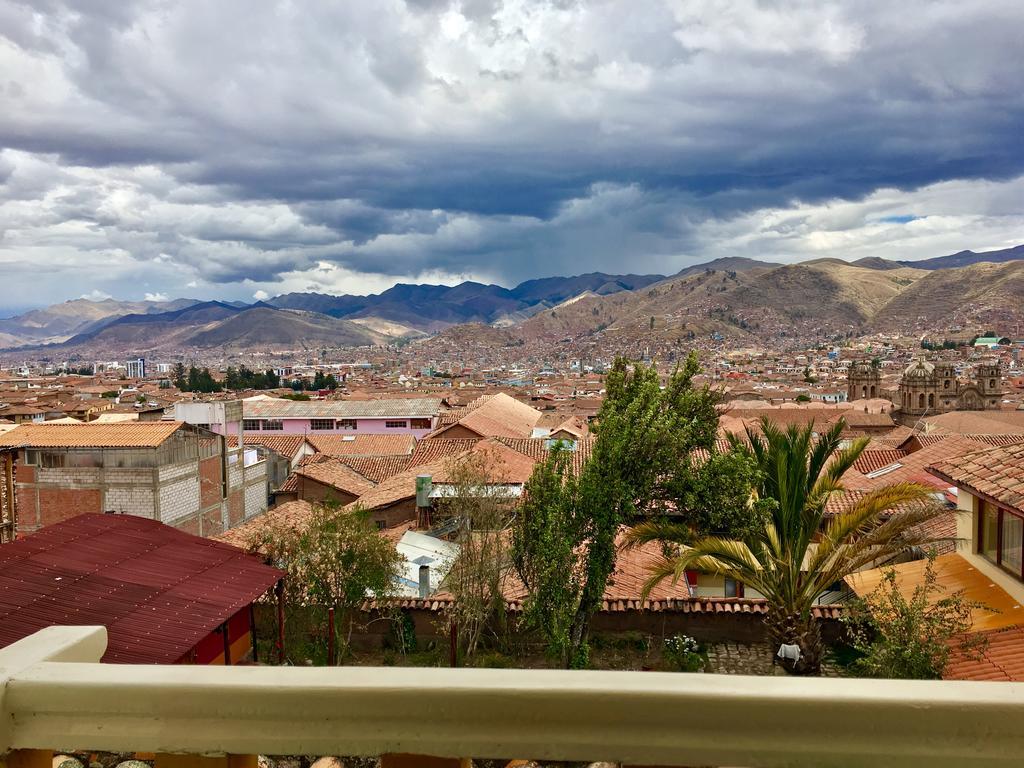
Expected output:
{"points": [[684, 653]]}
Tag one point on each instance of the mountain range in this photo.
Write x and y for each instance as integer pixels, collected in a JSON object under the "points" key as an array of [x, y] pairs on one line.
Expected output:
{"points": [[733, 297]]}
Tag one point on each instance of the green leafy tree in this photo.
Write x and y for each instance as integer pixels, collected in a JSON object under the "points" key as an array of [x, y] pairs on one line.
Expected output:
{"points": [[334, 559], [911, 638], [801, 551], [646, 437], [476, 580], [179, 376], [547, 555]]}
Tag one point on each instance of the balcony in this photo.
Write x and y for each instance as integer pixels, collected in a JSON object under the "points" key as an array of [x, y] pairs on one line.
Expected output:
{"points": [[54, 695]]}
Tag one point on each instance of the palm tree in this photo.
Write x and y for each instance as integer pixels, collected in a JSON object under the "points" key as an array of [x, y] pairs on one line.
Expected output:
{"points": [[802, 550]]}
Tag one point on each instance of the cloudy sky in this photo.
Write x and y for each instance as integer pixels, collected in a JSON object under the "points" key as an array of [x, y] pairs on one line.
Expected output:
{"points": [[236, 149]]}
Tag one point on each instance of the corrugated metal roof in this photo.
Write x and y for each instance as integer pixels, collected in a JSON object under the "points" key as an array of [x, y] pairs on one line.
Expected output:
{"points": [[424, 407], [156, 589], [136, 434]]}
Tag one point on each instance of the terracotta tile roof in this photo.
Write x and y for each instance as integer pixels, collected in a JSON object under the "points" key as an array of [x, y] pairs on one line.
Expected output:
{"points": [[702, 605], [996, 473], [398, 487], [293, 514], [537, 448], [894, 438], [493, 416], [912, 467], [433, 449], [979, 422], [995, 440], [363, 445], [284, 445], [130, 434], [1002, 659], [871, 460], [377, 468], [336, 475]]}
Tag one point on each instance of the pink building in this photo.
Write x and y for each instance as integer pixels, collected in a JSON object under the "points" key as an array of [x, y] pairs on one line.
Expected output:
{"points": [[411, 416]]}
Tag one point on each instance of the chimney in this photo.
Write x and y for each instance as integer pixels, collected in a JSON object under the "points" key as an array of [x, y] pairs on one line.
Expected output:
{"points": [[424, 485], [424, 581]]}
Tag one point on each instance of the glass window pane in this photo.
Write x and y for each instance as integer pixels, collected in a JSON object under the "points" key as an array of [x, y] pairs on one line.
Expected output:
{"points": [[1013, 540], [989, 531]]}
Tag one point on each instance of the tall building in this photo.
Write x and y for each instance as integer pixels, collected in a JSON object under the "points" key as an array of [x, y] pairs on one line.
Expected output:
{"points": [[135, 369], [864, 381], [928, 388]]}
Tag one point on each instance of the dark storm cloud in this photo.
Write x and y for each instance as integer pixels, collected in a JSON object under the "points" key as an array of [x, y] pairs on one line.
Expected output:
{"points": [[233, 143]]}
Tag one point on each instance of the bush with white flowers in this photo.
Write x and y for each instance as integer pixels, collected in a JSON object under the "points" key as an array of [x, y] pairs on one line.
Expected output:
{"points": [[684, 653]]}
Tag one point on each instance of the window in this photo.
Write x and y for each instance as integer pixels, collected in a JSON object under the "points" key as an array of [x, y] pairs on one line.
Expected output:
{"points": [[420, 423], [381, 524], [733, 588], [1011, 556], [251, 425], [346, 424], [945, 384], [321, 424], [396, 424], [988, 536], [273, 425], [32, 458], [1001, 538]]}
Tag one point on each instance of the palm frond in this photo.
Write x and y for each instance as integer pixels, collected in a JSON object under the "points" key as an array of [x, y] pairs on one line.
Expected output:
{"points": [[657, 530]]}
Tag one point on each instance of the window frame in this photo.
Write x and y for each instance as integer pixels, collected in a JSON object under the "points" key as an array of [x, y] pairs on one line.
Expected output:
{"points": [[321, 425], [351, 424], [396, 424], [980, 539], [419, 423], [272, 425]]}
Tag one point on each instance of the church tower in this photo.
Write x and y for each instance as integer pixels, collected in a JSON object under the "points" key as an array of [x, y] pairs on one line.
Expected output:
{"points": [[863, 381]]}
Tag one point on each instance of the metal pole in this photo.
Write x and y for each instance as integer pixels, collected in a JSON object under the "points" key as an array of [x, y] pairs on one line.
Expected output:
{"points": [[252, 632], [280, 621], [330, 637], [453, 643]]}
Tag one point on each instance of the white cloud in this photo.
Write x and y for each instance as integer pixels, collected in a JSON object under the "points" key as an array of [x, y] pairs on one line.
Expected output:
{"points": [[494, 139], [157, 297], [95, 295], [261, 295]]}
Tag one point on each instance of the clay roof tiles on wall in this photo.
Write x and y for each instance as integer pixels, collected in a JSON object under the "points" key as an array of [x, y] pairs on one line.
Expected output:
{"points": [[130, 434], [996, 473], [363, 445], [337, 475]]}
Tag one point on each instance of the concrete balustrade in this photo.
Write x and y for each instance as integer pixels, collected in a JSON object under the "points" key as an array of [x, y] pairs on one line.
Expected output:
{"points": [[54, 695]]}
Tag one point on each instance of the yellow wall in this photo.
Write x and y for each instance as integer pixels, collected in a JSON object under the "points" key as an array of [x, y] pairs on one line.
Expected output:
{"points": [[967, 531]]}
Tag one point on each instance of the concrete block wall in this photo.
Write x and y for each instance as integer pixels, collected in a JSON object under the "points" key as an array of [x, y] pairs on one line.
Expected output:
{"points": [[179, 498], [130, 500]]}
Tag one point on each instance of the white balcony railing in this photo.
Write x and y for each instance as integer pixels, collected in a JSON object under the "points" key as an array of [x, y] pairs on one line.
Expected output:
{"points": [[54, 695]]}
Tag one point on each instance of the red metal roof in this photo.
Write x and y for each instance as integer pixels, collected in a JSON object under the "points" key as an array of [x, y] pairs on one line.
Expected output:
{"points": [[156, 589]]}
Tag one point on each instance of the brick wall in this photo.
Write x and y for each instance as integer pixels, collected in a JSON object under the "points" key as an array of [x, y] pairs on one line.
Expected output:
{"points": [[236, 508], [212, 522], [210, 475], [59, 504]]}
